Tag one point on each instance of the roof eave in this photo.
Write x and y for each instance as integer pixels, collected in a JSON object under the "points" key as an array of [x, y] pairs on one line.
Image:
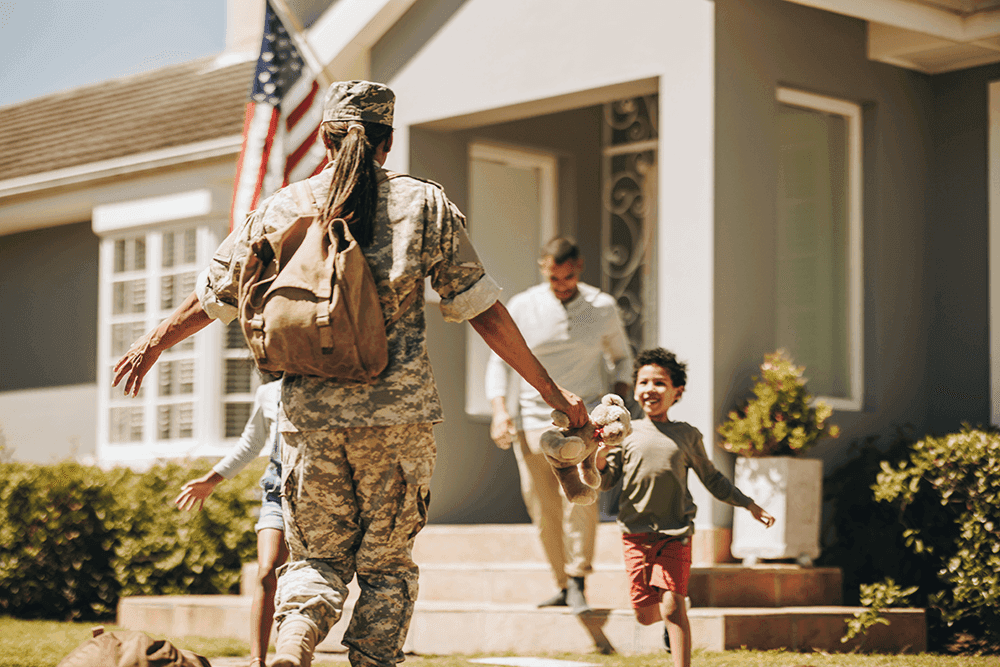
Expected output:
{"points": [[128, 165]]}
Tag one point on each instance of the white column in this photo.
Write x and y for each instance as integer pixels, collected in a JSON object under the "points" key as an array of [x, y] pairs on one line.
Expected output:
{"points": [[686, 238]]}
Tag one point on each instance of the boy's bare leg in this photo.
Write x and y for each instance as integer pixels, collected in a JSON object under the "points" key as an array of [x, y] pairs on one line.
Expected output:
{"points": [[648, 615], [673, 609], [271, 553]]}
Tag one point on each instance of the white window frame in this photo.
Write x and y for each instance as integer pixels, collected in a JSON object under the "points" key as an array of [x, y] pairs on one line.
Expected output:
{"points": [[852, 114], [152, 218], [994, 248]]}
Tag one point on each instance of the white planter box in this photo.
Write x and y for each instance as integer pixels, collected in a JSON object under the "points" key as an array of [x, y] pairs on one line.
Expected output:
{"points": [[791, 490]]}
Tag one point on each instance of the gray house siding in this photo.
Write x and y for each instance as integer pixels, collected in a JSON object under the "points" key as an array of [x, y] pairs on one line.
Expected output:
{"points": [[763, 44], [958, 361], [49, 306]]}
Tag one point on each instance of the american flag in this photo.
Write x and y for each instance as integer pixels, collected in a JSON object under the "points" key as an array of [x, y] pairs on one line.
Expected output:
{"points": [[283, 115]]}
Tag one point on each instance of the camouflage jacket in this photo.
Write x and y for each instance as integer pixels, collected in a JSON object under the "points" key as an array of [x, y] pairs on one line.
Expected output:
{"points": [[418, 233]]}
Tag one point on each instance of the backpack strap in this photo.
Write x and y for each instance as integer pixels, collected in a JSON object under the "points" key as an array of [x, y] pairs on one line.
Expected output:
{"points": [[403, 307]]}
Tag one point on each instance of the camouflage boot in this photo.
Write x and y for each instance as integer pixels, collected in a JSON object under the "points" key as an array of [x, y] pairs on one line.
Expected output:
{"points": [[295, 643]]}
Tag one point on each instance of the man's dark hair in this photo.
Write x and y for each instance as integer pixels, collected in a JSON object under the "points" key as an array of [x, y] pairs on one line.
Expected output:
{"points": [[666, 360], [561, 249]]}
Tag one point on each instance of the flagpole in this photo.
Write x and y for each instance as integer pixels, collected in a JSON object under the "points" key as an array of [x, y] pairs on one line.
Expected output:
{"points": [[297, 33]]}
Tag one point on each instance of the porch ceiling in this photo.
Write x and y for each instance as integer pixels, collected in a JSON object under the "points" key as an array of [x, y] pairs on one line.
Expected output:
{"points": [[931, 36]]}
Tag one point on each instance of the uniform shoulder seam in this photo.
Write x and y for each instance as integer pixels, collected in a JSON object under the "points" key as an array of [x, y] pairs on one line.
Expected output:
{"points": [[396, 175]]}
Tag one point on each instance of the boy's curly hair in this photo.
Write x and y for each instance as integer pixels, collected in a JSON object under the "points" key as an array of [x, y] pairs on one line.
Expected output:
{"points": [[666, 360]]}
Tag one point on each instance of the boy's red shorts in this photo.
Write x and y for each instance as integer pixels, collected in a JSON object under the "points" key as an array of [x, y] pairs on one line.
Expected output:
{"points": [[655, 563]]}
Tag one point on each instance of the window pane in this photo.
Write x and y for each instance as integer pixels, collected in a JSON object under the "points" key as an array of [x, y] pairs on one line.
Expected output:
{"points": [[190, 255], [176, 288], [234, 336], [125, 424], [167, 292], [119, 256], [123, 335], [239, 374], [812, 253], [139, 254], [237, 415], [167, 378], [176, 377], [129, 296], [168, 250], [175, 421], [130, 254]]}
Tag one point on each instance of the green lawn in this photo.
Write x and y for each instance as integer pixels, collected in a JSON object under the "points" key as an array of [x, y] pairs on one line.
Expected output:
{"points": [[45, 643]]}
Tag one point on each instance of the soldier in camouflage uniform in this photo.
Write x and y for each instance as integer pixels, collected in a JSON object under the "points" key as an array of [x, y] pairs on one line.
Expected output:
{"points": [[357, 460]]}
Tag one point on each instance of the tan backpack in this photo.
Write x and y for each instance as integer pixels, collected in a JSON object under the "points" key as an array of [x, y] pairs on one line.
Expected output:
{"points": [[308, 303]]}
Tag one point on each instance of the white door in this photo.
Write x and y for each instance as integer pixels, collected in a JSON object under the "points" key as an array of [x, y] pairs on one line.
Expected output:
{"points": [[512, 212]]}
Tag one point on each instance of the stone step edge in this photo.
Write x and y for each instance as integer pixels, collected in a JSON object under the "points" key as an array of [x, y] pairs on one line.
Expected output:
{"points": [[458, 606], [604, 566]]}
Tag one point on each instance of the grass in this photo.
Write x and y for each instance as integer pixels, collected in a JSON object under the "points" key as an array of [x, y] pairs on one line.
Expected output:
{"points": [[45, 643]]}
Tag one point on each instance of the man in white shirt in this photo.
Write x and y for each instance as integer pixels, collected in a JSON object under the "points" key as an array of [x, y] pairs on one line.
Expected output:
{"points": [[576, 332]]}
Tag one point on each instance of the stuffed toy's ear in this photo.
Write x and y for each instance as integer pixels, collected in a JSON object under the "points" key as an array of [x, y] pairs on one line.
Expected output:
{"points": [[613, 399], [560, 419]]}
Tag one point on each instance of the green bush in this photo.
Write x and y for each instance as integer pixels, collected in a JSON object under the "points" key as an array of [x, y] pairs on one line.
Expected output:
{"points": [[74, 538], [948, 496], [869, 540]]}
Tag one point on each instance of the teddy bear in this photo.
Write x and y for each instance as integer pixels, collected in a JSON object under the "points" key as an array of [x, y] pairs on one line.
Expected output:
{"points": [[571, 451]]}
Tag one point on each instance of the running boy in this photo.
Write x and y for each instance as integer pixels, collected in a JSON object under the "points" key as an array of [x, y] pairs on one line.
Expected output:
{"points": [[656, 511]]}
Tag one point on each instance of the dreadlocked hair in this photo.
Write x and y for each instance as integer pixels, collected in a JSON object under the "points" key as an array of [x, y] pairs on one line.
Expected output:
{"points": [[354, 190]]}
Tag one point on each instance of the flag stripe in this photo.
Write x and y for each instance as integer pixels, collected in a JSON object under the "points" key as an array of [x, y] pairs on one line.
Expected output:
{"points": [[272, 128], [296, 155], [247, 120], [303, 107]]}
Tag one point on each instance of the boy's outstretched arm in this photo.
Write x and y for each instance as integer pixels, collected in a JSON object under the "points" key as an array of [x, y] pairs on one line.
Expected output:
{"points": [[760, 514]]}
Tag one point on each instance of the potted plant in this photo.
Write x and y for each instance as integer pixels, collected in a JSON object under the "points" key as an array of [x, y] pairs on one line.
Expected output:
{"points": [[769, 433]]}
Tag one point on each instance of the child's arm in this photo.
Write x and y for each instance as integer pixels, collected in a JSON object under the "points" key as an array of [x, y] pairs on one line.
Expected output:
{"points": [[760, 514], [197, 490], [255, 434], [610, 464]]}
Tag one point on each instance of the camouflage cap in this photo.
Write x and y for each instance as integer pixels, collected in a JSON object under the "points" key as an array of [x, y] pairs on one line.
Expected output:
{"points": [[359, 100]]}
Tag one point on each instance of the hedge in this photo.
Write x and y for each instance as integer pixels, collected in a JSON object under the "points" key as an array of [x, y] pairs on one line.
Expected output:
{"points": [[74, 538]]}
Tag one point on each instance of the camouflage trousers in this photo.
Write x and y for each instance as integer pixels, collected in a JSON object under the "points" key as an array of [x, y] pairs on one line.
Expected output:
{"points": [[354, 499]]}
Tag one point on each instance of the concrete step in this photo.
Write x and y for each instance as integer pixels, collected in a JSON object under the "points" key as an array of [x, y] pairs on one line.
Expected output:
{"points": [[446, 628], [510, 543], [607, 587], [504, 564]]}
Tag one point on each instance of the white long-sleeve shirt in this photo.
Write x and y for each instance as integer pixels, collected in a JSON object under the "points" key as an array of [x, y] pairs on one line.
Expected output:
{"points": [[582, 344], [261, 430]]}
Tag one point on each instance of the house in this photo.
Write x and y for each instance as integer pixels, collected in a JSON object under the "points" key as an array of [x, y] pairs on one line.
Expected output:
{"points": [[742, 174]]}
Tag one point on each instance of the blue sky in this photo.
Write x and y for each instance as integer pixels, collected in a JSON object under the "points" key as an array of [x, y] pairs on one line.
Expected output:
{"points": [[53, 45]]}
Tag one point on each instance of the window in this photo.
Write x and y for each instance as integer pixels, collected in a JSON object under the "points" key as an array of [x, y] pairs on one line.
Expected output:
{"points": [[818, 295], [151, 274], [200, 391]]}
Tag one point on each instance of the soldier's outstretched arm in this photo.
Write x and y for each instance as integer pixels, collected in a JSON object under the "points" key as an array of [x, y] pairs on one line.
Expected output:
{"points": [[497, 328], [187, 320]]}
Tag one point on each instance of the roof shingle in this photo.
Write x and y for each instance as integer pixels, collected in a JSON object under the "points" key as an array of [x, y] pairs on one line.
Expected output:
{"points": [[172, 106]]}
